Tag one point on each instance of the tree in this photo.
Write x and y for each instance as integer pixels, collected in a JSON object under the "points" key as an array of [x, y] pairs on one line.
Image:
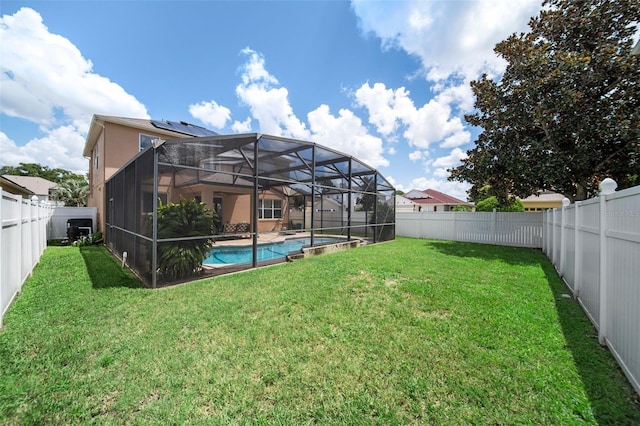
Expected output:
{"points": [[56, 175], [491, 203], [566, 112], [73, 192]]}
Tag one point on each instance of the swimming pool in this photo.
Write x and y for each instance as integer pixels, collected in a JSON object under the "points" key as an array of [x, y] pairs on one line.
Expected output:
{"points": [[268, 251]]}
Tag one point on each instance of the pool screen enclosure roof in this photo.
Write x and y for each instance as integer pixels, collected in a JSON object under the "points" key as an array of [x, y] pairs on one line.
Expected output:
{"points": [[260, 188]]}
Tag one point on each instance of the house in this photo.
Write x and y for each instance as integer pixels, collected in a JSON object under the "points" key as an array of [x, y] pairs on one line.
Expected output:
{"points": [[542, 201], [113, 141], [13, 188], [404, 204], [251, 180], [431, 200], [40, 187]]}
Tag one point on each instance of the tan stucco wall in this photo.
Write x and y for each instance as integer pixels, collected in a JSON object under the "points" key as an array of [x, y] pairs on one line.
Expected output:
{"points": [[116, 145], [541, 205]]}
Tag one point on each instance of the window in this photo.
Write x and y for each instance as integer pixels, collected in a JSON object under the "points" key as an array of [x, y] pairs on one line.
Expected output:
{"points": [[96, 161], [270, 209], [146, 140]]}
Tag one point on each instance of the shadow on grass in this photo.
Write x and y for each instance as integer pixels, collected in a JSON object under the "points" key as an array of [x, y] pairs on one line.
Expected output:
{"points": [[510, 255], [612, 398], [105, 271]]}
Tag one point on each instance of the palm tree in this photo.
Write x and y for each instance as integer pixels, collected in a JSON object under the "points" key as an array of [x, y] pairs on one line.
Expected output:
{"points": [[73, 192]]}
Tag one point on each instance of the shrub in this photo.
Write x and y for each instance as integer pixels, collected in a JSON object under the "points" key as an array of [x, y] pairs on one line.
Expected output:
{"points": [[188, 218]]}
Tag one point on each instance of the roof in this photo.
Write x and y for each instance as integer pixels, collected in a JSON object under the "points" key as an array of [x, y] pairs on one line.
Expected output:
{"points": [[36, 185], [431, 196], [171, 129], [12, 187], [547, 196]]}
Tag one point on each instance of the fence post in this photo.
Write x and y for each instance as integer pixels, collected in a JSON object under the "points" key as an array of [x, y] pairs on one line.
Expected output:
{"points": [[455, 233], [563, 235], [494, 228], [607, 186], [577, 263]]}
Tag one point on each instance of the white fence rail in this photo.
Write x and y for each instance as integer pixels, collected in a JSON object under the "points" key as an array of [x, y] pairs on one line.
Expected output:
{"points": [[23, 239], [595, 246], [507, 229]]}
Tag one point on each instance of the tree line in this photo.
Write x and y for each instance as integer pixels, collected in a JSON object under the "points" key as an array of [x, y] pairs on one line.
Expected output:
{"points": [[72, 188]]}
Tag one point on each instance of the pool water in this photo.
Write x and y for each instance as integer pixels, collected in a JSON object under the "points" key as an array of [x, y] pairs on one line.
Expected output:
{"points": [[268, 251]]}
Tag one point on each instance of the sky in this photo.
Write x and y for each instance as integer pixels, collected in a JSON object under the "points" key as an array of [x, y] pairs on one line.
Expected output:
{"points": [[385, 81]]}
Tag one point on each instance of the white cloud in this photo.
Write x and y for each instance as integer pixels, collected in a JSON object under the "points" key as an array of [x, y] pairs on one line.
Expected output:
{"points": [[456, 140], [441, 164], [423, 126], [269, 105], [59, 148], [46, 80], [211, 113], [415, 155], [347, 134], [10, 153], [450, 160], [455, 37], [242, 126]]}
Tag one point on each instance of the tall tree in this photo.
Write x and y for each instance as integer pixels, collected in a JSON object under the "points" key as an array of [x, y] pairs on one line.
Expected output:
{"points": [[72, 192], [566, 112]]}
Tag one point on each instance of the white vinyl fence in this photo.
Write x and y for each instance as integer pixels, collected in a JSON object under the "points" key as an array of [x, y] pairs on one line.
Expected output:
{"points": [[595, 246], [507, 229], [23, 239]]}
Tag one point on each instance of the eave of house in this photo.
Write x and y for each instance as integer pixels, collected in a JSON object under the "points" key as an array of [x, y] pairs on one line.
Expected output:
{"points": [[98, 122]]}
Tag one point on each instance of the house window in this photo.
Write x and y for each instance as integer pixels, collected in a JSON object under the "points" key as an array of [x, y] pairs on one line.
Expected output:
{"points": [[270, 209], [147, 201], [96, 161], [146, 140]]}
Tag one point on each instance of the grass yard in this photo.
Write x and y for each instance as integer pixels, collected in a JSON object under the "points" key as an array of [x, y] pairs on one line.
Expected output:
{"points": [[406, 332]]}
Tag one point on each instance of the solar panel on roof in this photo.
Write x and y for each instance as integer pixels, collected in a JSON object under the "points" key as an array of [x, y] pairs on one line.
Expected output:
{"points": [[183, 127]]}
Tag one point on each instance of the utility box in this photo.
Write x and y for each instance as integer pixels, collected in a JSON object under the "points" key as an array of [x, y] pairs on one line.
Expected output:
{"points": [[77, 228]]}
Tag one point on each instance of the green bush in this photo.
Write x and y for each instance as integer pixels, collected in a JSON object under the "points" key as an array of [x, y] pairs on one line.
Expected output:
{"points": [[488, 204], [188, 218]]}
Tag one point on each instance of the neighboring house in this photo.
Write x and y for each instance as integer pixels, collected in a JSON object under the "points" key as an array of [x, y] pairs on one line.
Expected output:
{"points": [[431, 200], [38, 186], [404, 204], [13, 188], [542, 201]]}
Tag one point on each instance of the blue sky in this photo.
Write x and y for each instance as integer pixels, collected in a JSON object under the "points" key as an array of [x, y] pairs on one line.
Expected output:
{"points": [[385, 81]]}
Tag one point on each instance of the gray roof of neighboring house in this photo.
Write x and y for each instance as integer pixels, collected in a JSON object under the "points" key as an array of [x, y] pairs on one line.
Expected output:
{"points": [[13, 187], [36, 185]]}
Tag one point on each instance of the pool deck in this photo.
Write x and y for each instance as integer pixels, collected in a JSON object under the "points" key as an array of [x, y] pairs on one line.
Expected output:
{"points": [[267, 238]]}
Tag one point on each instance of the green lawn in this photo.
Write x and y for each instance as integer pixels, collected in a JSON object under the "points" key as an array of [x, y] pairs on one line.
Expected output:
{"points": [[410, 331]]}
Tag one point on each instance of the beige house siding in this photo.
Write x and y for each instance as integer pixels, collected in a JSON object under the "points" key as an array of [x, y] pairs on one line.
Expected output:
{"points": [[115, 140], [115, 145]]}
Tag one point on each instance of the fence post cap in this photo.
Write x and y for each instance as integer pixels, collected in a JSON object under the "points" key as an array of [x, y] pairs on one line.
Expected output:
{"points": [[608, 186], [565, 202], [35, 198]]}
